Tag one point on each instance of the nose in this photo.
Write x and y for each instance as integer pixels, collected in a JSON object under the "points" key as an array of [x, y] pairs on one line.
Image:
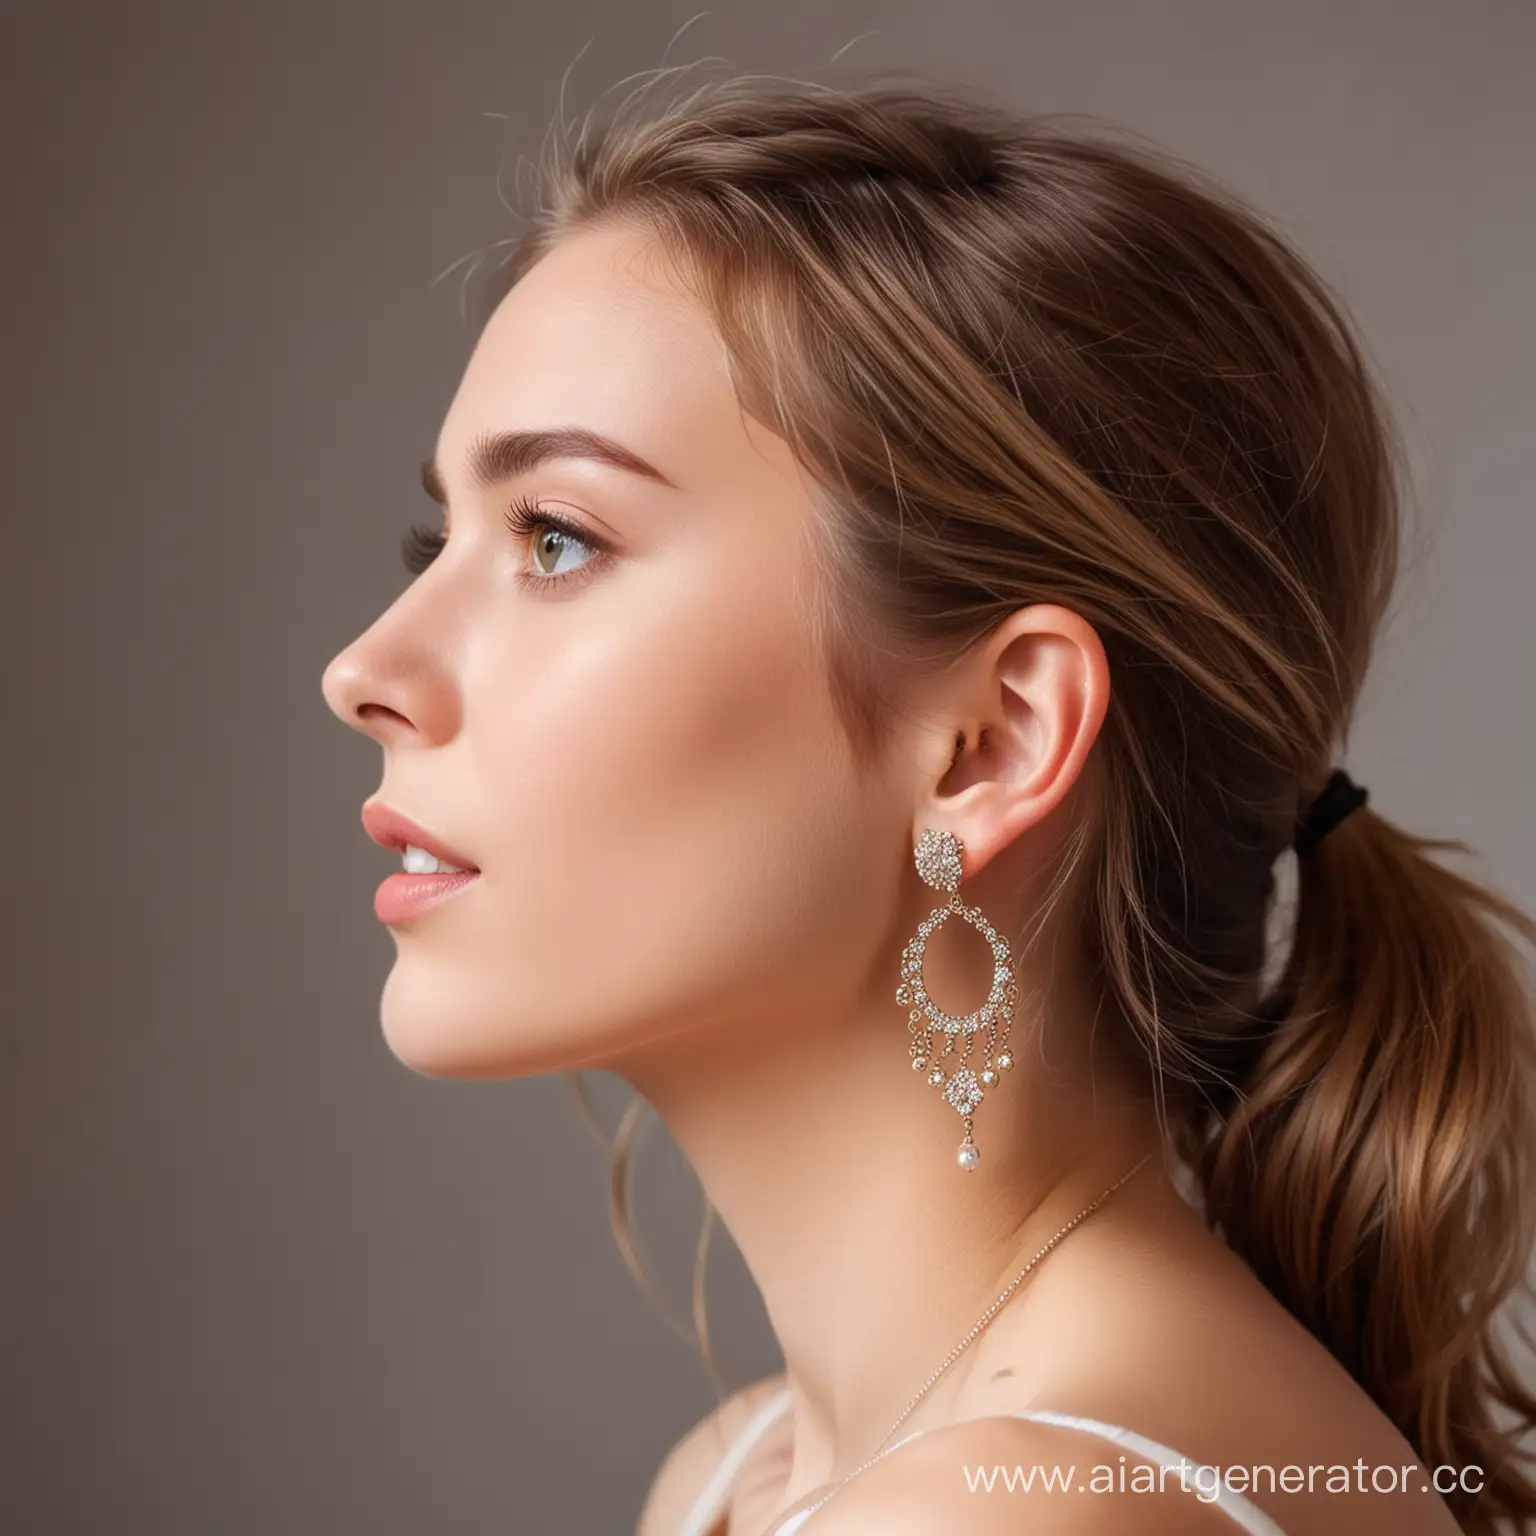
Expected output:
{"points": [[387, 687]]}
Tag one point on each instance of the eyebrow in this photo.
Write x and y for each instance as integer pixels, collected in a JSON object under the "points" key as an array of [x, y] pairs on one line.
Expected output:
{"points": [[500, 456]]}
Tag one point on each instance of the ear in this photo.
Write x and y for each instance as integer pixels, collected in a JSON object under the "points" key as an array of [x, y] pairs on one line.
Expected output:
{"points": [[1023, 710]]}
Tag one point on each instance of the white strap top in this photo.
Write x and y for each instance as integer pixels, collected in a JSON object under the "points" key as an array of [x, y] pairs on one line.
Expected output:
{"points": [[711, 1499]]}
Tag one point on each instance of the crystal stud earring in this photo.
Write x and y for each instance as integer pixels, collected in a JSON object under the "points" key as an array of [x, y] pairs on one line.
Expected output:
{"points": [[938, 856]]}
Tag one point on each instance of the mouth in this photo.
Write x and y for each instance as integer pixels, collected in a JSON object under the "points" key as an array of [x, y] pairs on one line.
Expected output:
{"points": [[433, 870]]}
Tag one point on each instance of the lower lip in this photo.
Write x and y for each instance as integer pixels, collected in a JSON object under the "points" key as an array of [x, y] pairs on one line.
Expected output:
{"points": [[402, 896]]}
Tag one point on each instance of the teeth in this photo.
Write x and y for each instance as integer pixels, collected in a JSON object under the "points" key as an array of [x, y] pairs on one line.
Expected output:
{"points": [[419, 862]]}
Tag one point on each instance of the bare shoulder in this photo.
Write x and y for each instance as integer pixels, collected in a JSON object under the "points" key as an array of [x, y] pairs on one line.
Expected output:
{"points": [[688, 1464], [997, 1476], [1226, 1382]]}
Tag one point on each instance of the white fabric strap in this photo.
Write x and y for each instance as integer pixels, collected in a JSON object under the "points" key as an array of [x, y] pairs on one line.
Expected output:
{"points": [[1244, 1511], [706, 1507]]}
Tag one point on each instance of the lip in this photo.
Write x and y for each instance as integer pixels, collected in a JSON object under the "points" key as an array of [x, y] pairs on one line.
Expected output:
{"points": [[390, 828], [403, 896]]}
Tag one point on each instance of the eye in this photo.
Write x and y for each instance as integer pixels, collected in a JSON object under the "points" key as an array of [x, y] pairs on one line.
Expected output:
{"points": [[553, 537]]}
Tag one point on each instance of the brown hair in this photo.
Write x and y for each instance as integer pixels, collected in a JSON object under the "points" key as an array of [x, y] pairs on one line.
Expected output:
{"points": [[1030, 363]]}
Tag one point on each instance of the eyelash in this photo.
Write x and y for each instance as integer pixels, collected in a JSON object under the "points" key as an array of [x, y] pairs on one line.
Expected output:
{"points": [[422, 545]]}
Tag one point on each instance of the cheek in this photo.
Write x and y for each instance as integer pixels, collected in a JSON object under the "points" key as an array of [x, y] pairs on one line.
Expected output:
{"points": [[671, 832]]}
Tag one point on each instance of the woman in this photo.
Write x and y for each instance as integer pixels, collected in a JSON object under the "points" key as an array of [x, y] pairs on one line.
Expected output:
{"points": [[906, 571]]}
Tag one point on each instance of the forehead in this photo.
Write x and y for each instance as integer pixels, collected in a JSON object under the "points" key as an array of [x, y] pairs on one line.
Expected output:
{"points": [[600, 333]]}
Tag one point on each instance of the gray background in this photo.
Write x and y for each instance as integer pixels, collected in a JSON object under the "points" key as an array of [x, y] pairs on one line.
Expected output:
{"points": [[256, 1276]]}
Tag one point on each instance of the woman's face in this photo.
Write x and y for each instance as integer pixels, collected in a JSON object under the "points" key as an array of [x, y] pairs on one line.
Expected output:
{"points": [[626, 729]]}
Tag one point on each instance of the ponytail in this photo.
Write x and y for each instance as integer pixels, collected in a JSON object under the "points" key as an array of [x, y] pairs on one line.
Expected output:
{"points": [[1375, 1171]]}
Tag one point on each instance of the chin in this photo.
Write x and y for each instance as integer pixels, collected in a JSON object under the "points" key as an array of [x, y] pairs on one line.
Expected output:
{"points": [[448, 1037], [430, 1055], [440, 1037], [429, 1048]]}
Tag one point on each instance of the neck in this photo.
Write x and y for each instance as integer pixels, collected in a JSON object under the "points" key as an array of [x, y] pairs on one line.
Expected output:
{"points": [[832, 1164]]}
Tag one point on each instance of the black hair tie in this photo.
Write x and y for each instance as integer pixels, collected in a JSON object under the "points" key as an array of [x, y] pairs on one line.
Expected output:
{"points": [[1337, 798]]}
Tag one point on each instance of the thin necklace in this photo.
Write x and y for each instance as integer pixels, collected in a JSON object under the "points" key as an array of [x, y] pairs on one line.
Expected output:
{"points": [[976, 1328]]}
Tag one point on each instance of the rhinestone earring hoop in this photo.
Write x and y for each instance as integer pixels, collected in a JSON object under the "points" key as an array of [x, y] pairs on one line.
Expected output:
{"points": [[938, 862]]}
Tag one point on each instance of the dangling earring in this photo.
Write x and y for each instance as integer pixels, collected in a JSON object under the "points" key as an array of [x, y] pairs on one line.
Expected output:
{"points": [[938, 862]]}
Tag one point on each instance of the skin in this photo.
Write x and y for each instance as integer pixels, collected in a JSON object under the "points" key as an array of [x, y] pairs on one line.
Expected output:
{"points": [[686, 881]]}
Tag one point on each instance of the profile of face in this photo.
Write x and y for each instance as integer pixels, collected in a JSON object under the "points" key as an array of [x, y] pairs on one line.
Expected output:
{"points": [[620, 717]]}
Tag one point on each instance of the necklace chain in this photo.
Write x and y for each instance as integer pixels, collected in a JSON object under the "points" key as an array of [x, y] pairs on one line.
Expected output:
{"points": [[982, 1321]]}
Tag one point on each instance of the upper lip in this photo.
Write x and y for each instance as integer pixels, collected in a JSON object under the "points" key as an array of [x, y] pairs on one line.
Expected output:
{"points": [[392, 829]]}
